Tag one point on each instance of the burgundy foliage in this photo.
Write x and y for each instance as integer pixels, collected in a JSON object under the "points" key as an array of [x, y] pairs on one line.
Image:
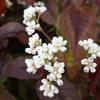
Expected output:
{"points": [[74, 20]]}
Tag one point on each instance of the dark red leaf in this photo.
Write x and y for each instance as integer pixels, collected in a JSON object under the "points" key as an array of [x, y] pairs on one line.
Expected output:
{"points": [[67, 92], [11, 29], [14, 29], [76, 24], [17, 69], [52, 8], [23, 37], [50, 16]]}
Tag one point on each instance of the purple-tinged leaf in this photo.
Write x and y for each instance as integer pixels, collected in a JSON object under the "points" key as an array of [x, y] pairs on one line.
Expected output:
{"points": [[17, 69], [75, 24], [52, 7], [11, 29], [66, 92], [5, 60], [14, 29], [50, 16]]}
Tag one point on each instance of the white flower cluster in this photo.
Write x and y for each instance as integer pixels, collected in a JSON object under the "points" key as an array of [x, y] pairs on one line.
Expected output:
{"points": [[93, 50], [31, 16], [48, 88], [44, 55]]}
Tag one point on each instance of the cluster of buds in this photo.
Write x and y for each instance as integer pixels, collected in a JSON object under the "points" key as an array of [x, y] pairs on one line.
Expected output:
{"points": [[44, 55], [31, 17], [93, 51]]}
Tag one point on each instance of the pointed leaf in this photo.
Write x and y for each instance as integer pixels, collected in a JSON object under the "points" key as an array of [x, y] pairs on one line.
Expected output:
{"points": [[50, 16], [17, 69], [75, 24], [14, 29]]}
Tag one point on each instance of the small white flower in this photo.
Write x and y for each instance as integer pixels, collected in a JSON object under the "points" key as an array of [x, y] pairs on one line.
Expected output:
{"points": [[39, 4], [55, 71], [48, 88], [31, 27], [59, 44], [34, 41], [89, 65], [45, 52], [29, 30], [39, 61], [29, 14], [85, 43], [31, 17], [30, 50], [40, 10], [94, 50], [40, 7], [59, 82], [31, 68]]}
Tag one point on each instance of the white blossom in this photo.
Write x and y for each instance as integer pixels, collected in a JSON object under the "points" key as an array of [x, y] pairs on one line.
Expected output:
{"points": [[31, 17], [44, 55], [58, 44], [59, 82], [40, 7], [31, 68], [86, 43], [39, 4], [94, 50], [34, 41], [39, 61], [48, 88], [31, 27], [56, 71], [90, 65], [29, 14], [45, 52]]}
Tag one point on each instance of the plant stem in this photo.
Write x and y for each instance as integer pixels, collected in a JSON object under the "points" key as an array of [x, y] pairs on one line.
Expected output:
{"points": [[45, 34]]}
